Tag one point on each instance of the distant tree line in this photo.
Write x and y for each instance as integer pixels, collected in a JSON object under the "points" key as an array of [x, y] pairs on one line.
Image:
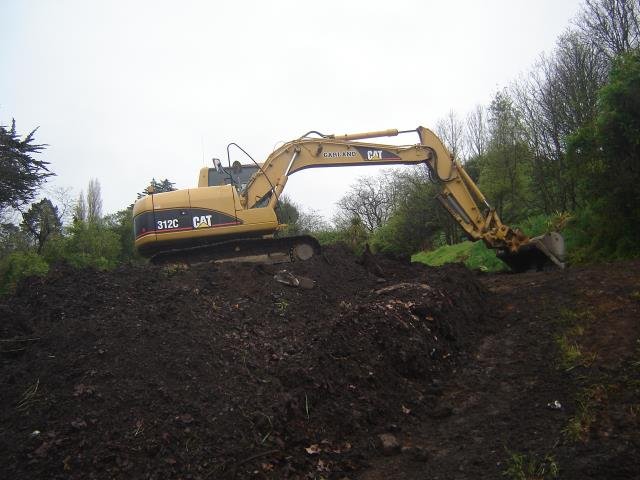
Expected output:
{"points": [[561, 142], [35, 234]]}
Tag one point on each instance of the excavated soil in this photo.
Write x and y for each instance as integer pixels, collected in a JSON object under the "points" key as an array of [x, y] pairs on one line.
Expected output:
{"points": [[221, 371]]}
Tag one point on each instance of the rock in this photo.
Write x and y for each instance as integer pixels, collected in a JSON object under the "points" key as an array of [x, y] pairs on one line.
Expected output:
{"points": [[388, 444]]}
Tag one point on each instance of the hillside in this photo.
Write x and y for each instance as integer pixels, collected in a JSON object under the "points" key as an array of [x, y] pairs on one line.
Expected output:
{"points": [[221, 371]]}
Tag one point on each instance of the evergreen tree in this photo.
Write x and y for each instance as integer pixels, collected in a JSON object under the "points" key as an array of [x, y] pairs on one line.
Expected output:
{"points": [[21, 175], [41, 221], [158, 187]]}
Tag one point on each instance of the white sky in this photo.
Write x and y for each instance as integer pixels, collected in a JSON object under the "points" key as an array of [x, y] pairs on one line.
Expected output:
{"points": [[124, 91]]}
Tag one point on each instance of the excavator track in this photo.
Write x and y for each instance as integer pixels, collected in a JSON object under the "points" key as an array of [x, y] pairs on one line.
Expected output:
{"points": [[257, 250]]}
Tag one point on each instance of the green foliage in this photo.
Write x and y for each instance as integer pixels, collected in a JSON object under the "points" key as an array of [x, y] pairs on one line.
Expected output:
{"points": [[87, 245], [474, 255], [415, 221], [521, 466], [445, 254], [588, 237], [330, 236], [541, 223], [19, 265], [588, 401], [594, 237], [356, 235], [287, 212], [609, 149], [484, 259], [41, 222], [12, 239], [473, 166], [505, 174], [371, 200], [21, 173], [121, 224], [298, 222], [158, 187], [93, 245]]}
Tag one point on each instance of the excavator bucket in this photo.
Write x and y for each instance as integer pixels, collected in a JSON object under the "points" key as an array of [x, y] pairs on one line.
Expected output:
{"points": [[546, 252]]}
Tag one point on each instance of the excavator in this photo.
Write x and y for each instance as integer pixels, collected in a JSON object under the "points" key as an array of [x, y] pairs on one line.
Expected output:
{"points": [[231, 215]]}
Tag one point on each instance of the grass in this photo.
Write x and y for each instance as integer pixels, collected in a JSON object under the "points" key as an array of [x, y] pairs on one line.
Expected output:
{"points": [[571, 354], [281, 306], [573, 326], [475, 255], [530, 467], [577, 430], [589, 399]]}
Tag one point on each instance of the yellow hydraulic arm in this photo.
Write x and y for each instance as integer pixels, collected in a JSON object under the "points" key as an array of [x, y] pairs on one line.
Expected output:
{"points": [[460, 196]]}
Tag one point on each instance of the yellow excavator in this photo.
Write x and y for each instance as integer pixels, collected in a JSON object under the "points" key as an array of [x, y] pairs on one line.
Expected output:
{"points": [[232, 213]]}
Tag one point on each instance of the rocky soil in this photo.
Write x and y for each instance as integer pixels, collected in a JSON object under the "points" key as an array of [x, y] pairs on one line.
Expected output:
{"points": [[380, 369]]}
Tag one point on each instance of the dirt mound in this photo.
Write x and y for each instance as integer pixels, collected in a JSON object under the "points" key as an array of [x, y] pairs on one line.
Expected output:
{"points": [[220, 371]]}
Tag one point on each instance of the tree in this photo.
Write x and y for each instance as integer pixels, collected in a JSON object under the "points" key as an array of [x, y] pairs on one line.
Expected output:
{"points": [[504, 174], [92, 244], [12, 239], [609, 148], [159, 187], [80, 209], [351, 231], [371, 199], [94, 202], [21, 175], [287, 211], [451, 131], [88, 208], [40, 222], [558, 97], [297, 220], [121, 223], [417, 217], [64, 202], [477, 132], [613, 26], [311, 221]]}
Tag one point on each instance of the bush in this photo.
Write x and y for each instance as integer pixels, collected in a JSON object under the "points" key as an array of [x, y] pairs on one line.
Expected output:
{"points": [[19, 265], [330, 236], [597, 234], [87, 245]]}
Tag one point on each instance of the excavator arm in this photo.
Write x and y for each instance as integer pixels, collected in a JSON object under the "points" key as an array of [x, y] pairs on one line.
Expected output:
{"points": [[460, 196]]}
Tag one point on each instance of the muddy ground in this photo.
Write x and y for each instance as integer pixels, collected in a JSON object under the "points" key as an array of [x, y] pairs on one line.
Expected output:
{"points": [[379, 371]]}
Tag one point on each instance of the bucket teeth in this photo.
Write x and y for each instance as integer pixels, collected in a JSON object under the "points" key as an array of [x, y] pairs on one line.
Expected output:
{"points": [[545, 252]]}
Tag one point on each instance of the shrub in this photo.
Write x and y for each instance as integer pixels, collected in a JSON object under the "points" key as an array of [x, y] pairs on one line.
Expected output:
{"points": [[19, 265]]}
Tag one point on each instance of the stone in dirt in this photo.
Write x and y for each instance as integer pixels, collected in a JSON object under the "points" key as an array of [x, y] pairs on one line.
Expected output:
{"points": [[389, 444]]}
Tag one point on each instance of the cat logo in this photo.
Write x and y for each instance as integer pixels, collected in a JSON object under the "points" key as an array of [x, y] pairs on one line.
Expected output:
{"points": [[374, 154], [202, 221]]}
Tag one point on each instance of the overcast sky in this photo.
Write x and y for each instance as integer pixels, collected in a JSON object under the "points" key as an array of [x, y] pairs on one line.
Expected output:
{"points": [[124, 91]]}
